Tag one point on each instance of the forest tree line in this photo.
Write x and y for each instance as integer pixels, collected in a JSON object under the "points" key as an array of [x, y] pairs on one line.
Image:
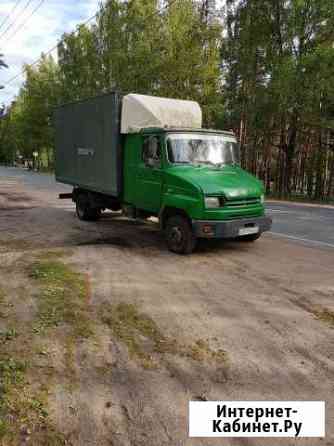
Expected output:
{"points": [[264, 68]]}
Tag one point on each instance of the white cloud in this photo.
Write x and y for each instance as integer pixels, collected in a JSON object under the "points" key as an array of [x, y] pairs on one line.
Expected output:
{"points": [[39, 34]]}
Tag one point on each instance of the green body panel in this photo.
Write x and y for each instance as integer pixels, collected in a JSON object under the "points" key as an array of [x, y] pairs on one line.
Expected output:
{"points": [[232, 180], [142, 185], [131, 156], [184, 186]]}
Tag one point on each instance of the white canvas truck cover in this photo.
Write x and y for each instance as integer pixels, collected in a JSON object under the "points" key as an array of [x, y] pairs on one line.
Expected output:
{"points": [[140, 111]]}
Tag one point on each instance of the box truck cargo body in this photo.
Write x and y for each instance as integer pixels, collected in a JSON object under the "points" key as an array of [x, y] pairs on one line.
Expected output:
{"points": [[88, 143], [150, 156]]}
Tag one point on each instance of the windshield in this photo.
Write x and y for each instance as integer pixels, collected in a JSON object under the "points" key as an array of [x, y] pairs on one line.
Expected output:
{"points": [[192, 148]]}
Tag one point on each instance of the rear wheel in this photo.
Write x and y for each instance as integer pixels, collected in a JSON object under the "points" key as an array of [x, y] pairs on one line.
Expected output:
{"points": [[179, 235], [250, 237], [84, 211]]}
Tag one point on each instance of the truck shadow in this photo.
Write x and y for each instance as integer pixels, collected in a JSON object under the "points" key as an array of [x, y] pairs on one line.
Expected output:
{"points": [[118, 231], [115, 230], [54, 227]]}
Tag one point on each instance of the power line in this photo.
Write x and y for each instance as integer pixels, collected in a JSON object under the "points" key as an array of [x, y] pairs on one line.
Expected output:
{"points": [[11, 12], [44, 54], [168, 5], [13, 23], [18, 29]]}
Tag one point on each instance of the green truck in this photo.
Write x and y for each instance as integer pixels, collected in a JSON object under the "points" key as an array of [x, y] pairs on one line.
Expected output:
{"points": [[150, 157]]}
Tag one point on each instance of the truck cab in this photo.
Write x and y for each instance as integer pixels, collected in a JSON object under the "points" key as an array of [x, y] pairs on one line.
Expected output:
{"points": [[192, 181]]}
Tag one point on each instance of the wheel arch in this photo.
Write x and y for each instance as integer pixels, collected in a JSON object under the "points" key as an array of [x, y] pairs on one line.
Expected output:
{"points": [[170, 211]]}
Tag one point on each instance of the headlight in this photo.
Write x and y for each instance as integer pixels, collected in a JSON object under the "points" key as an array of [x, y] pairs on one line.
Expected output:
{"points": [[262, 198], [212, 202]]}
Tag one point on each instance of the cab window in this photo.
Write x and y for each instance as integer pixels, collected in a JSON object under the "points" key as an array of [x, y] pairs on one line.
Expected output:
{"points": [[151, 153]]}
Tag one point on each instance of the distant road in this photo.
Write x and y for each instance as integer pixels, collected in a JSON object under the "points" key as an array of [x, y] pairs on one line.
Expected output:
{"points": [[34, 179], [311, 225]]}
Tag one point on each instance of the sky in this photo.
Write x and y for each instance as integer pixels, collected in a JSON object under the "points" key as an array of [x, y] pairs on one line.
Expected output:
{"points": [[40, 33]]}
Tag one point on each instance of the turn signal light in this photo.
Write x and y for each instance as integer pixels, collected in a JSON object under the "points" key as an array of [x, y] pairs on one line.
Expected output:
{"points": [[208, 229]]}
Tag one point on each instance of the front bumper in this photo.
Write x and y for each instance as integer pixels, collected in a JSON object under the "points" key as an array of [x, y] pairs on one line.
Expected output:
{"points": [[229, 228]]}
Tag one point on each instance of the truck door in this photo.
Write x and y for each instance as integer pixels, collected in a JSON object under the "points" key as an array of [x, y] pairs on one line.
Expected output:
{"points": [[149, 175]]}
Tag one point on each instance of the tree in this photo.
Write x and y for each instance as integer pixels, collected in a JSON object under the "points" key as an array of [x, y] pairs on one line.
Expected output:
{"points": [[131, 43], [278, 94], [137, 46], [29, 119], [265, 71], [79, 65], [190, 67]]}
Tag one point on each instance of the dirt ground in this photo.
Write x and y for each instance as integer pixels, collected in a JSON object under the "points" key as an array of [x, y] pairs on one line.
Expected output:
{"points": [[153, 330]]}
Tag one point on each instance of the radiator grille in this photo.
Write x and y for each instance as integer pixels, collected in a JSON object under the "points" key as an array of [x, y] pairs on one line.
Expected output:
{"points": [[242, 202]]}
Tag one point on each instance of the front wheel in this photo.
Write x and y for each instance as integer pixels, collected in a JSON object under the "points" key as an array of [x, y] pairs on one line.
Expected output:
{"points": [[179, 235]]}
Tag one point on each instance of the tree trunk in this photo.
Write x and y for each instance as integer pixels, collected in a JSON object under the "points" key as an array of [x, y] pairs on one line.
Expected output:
{"points": [[290, 153]]}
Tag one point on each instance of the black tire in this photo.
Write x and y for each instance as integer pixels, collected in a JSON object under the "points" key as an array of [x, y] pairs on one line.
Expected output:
{"points": [[179, 235], [250, 237], [84, 211]]}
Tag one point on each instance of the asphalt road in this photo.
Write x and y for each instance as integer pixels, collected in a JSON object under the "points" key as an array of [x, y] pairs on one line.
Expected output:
{"points": [[311, 225], [307, 224], [42, 181]]}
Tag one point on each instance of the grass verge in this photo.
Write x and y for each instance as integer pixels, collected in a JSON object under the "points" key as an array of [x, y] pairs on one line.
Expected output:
{"points": [[12, 245], [301, 199], [23, 414], [325, 316], [61, 310], [144, 340], [62, 298]]}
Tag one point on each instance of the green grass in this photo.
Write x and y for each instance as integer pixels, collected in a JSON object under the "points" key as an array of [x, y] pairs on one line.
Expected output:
{"points": [[23, 414], [134, 329], [201, 351], [11, 372], [62, 301], [20, 407], [61, 298], [8, 335], [325, 316], [11, 378], [127, 325], [17, 405], [24, 383]]}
